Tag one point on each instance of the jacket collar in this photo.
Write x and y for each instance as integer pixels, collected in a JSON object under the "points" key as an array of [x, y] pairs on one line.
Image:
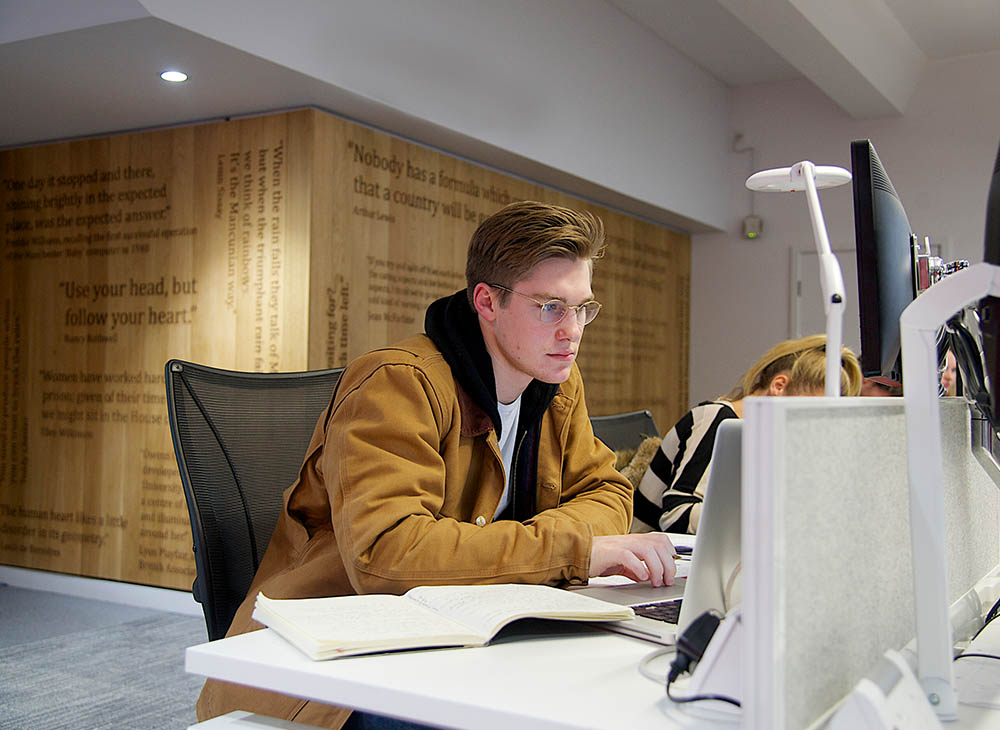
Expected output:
{"points": [[453, 326]]}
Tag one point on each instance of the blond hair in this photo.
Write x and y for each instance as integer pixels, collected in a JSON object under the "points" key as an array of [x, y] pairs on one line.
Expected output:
{"points": [[511, 242], [803, 360]]}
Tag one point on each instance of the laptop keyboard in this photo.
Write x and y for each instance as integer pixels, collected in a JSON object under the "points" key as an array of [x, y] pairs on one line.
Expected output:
{"points": [[668, 611]]}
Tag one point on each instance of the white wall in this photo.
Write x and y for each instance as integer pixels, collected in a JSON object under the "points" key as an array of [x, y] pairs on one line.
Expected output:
{"points": [[939, 156], [574, 85]]}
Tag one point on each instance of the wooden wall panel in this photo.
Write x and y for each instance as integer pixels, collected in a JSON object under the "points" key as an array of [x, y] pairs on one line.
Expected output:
{"points": [[118, 254], [274, 243], [410, 211]]}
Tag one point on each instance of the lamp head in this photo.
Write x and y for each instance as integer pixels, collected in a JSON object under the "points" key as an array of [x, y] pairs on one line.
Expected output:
{"points": [[792, 179]]}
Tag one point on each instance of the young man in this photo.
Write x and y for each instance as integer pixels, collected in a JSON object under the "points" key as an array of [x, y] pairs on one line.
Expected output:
{"points": [[464, 455]]}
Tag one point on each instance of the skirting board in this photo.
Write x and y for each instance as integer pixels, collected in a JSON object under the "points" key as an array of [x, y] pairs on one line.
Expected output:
{"points": [[128, 594]]}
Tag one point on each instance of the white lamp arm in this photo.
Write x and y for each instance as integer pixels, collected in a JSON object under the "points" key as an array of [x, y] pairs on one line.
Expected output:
{"points": [[831, 279], [919, 323], [807, 176]]}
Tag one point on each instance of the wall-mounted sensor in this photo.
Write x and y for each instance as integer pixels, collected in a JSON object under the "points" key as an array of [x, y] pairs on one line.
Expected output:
{"points": [[753, 226]]}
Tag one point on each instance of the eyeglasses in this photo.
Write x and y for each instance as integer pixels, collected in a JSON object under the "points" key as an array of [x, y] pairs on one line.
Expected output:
{"points": [[554, 311]]}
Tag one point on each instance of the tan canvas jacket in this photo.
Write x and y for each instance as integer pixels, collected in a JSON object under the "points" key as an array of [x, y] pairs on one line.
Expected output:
{"points": [[399, 486]]}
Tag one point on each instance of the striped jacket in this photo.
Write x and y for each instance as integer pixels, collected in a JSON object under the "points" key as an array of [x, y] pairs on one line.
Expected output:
{"points": [[670, 494]]}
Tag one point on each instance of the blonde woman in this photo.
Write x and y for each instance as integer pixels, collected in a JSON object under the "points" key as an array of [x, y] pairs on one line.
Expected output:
{"points": [[670, 494]]}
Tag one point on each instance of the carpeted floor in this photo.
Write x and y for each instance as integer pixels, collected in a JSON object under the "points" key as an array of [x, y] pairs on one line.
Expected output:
{"points": [[128, 675]]}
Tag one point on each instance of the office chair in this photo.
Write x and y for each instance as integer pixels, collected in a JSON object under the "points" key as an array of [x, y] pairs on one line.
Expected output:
{"points": [[622, 431], [239, 439]]}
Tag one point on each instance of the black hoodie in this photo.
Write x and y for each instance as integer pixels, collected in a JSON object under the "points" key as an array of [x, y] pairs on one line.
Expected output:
{"points": [[453, 326]]}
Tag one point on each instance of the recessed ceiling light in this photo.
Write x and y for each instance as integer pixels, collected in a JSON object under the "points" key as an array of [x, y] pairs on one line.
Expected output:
{"points": [[174, 76]]}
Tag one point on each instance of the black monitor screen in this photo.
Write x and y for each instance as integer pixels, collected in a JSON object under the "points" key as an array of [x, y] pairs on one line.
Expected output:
{"points": [[989, 307], [886, 266]]}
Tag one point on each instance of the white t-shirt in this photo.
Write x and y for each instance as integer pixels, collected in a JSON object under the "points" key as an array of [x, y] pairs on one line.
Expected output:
{"points": [[509, 415]]}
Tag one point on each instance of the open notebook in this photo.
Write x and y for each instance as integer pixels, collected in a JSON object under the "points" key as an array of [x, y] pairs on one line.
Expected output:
{"points": [[712, 581]]}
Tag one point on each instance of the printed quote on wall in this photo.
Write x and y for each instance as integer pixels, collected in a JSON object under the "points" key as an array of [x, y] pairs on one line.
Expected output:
{"points": [[277, 243]]}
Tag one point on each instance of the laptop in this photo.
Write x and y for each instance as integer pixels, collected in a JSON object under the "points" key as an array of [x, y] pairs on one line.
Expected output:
{"points": [[712, 578]]}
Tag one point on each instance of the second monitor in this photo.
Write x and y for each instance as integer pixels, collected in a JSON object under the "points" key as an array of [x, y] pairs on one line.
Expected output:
{"points": [[886, 264]]}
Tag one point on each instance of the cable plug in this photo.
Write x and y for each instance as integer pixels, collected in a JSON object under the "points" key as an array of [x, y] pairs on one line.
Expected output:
{"points": [[691, 644]]}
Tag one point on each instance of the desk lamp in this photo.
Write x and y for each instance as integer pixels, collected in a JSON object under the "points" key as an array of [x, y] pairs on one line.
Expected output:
{"points": [[809, 177], [918, 325]]}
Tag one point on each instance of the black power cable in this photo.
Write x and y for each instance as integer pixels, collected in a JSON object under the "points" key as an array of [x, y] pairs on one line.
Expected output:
{"points": [[691, 647], [990, 616]]}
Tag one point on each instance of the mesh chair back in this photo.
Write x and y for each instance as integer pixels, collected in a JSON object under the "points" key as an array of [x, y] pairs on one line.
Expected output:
{"points": [[622, 431], [239, 439]]}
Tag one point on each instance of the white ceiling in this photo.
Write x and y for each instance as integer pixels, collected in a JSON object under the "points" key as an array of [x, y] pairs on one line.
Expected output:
{"points": [[950, 29], [711, 35], [866, 55], [73, 69]]}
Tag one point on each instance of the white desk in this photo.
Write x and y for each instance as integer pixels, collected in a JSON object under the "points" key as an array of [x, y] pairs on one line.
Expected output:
{"points": [[581, 682], [977, 680], [584, 682]]}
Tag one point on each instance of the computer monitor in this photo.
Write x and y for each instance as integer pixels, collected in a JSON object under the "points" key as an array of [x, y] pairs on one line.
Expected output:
{"points": [[988, 308], [886, 258]]}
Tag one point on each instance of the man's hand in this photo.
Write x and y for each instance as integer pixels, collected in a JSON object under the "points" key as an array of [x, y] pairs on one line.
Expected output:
{"points": [[642, 557]]}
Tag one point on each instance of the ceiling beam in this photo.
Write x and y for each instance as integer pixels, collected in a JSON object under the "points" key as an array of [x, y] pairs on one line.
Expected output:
{"points": [[855, 51]]}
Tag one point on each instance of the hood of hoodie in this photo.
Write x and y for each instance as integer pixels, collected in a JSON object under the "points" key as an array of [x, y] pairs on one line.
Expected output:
{"points": [[453, 326]]}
